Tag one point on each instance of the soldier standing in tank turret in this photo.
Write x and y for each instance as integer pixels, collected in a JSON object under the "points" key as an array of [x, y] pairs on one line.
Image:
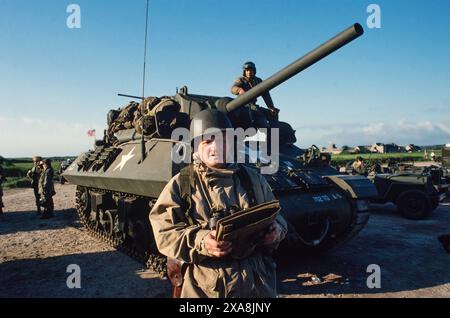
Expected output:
{"points": [[34, 174], [249, 80], [185, 232], [47, 189]]}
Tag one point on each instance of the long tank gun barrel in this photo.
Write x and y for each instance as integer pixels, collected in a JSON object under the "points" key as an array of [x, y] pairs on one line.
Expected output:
{"points": [[297, 66]]}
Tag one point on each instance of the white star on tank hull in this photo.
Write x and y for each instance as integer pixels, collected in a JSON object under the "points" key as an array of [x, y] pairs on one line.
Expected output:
{"points": [[124, 160]]}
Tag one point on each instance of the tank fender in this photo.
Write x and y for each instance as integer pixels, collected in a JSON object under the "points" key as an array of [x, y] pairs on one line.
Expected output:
{"points": [[357, 187]]}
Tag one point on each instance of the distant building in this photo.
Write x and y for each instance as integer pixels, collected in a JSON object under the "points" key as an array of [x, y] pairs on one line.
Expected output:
{"points": [[377, 148], [386, 148], [412, 148], [332, 149], [359, 149]]}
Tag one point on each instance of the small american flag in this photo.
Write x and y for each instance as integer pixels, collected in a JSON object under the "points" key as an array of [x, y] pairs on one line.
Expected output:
{"points": [[91, 132]]}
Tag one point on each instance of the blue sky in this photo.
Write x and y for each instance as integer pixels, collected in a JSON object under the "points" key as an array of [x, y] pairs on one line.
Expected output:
{"points": [[390, 85]]}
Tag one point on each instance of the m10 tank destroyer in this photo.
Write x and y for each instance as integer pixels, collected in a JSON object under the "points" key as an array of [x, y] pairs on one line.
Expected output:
{"points": [[120, 179]]}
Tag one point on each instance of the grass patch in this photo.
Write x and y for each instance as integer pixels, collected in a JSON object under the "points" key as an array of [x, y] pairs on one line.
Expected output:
{"points": [[14, 182], [383, 157]]}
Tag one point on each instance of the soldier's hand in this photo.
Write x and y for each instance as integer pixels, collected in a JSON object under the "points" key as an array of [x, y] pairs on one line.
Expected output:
{"points": [[273, 234], [216, 248], [241, 91], [274, 111]]}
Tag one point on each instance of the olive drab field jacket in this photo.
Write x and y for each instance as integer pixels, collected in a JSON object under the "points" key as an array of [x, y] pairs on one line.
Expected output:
{"points": [[46, 187], [34, 174], [176, 237]]}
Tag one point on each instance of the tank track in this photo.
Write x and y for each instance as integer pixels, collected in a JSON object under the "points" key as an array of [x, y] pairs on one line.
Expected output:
{"points": [[152, 261]]}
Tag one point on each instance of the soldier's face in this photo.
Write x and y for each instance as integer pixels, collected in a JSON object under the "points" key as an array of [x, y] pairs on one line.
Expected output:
{"points": [[212, 152], [249, 72]]}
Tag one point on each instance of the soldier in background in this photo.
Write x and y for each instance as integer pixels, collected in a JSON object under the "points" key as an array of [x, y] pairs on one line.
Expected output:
{"points": [[34, 174], [182, 228], [47, 189], [245, 83], [358, 166], [433, 156]]}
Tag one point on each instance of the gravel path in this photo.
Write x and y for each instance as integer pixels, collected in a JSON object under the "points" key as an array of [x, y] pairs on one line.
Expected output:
{"points": [[34, 255]]}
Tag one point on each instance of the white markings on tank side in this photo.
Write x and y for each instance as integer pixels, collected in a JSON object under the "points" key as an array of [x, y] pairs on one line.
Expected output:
{"points": [[321, 198], [336, 196], [125, 159], [326, 198]]}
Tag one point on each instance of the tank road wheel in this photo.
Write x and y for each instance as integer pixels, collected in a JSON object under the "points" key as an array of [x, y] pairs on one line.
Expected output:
{"points": [[108, 225], [118, 235], [94, 224], [321, 232], [312, 244], [414, 204]]}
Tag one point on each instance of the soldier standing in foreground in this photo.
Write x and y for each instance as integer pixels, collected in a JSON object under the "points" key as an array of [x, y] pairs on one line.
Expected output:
{"points": [[46, 189], [34, 174], [181, 225]]}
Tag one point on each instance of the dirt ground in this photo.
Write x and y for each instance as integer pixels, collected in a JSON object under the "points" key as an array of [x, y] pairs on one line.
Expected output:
{"points": [[34, 255]]}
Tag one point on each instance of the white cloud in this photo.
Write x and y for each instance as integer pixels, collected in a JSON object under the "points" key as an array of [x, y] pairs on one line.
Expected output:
{"points": [[401, 132], [443, 127], [374, 128]]}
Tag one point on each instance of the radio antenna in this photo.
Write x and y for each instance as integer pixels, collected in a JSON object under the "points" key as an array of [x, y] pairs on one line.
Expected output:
{"points": [[143, 83]]}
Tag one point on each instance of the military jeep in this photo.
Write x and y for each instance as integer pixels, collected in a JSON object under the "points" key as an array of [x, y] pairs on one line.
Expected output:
{"points": [[446, 162], [416, 190], [415, 194]]}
